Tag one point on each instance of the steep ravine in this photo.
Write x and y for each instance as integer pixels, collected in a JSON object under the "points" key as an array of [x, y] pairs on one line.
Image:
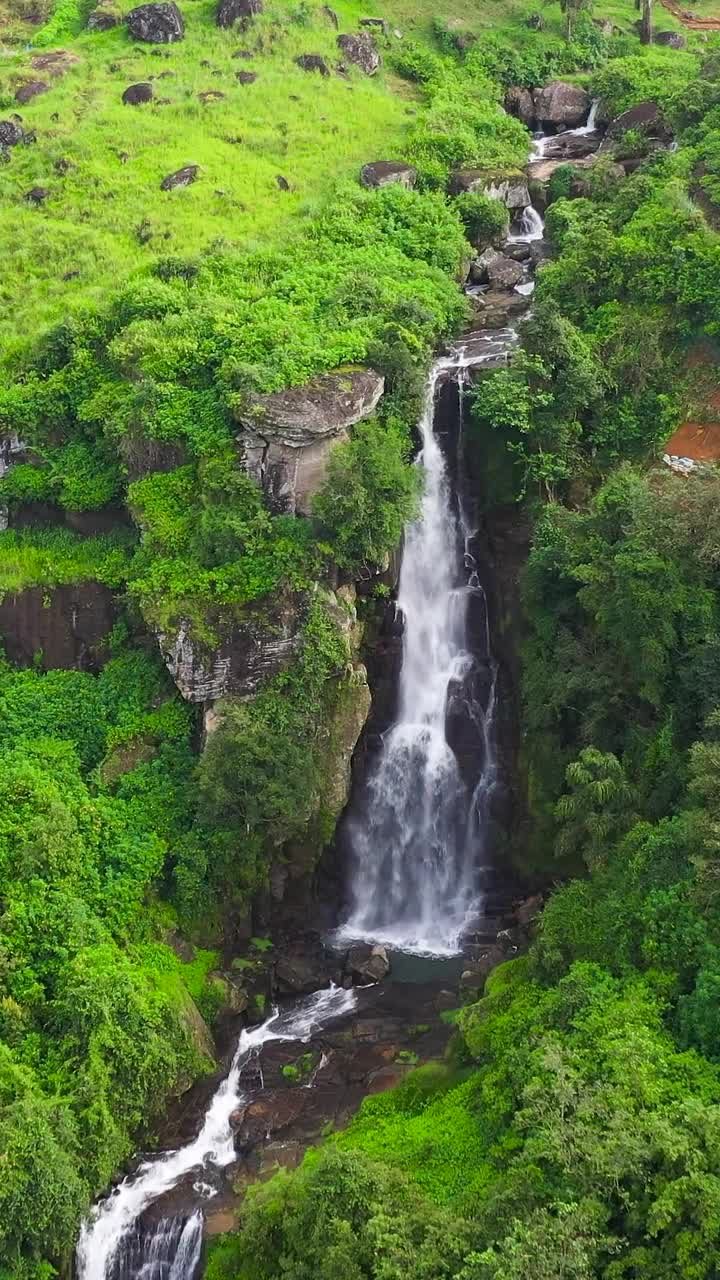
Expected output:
{"points": [[421, 863]]}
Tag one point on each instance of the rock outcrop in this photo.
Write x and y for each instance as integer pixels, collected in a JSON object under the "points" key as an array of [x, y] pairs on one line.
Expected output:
{"points": [[246, 654], [560, 103], [160, 23], [380, 173], [135, 94], [511, 190], [670, 39], [102, 19], [361, 51], [11, 134], [230, 12], [287, 435]]}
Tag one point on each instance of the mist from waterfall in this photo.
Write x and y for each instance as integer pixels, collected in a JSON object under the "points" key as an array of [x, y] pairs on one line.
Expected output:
{"points": [[417, 839]]}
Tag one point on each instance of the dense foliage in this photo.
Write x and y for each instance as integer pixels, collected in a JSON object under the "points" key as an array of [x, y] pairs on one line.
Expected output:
{"points": [[573, 1133]]}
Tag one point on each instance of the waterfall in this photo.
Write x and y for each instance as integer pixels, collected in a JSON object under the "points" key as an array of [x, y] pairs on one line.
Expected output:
{"points": [[417, 840], [541, 141], [532, 227], [114, 1244]]}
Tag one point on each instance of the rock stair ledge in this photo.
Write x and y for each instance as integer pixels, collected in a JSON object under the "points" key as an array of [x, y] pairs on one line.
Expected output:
{"points": [[287, 435]]}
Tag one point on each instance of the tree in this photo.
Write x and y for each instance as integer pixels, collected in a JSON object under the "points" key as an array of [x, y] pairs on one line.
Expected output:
{"points": [[598, 807]]}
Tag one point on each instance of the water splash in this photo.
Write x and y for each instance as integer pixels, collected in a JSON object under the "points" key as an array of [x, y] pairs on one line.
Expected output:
{"points": [[417, 843], [532, 227], [112, 1245]]}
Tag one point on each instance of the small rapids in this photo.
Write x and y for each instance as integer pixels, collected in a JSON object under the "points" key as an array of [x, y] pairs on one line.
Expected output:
{"points": [[114, 1244], [542, 141]]}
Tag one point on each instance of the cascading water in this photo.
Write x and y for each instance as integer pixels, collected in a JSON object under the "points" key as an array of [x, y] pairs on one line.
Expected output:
{"points": [[532, 227], [542, 141], [417, 842], [114, 1243]]}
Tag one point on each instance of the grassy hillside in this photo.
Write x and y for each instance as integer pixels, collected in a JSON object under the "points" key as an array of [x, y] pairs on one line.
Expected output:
{"points": [[102, 162]]}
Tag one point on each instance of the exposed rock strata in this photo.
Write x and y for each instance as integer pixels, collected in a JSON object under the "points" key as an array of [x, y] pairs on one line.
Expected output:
{"points": [[287, 435]]}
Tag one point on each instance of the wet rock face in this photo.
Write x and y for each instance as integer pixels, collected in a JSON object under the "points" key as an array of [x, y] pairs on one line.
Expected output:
{"points": [[497, 270], [287, 435], [246, 654], [230, 12], [361, 51], [156, 23], [68, 633], [560, 103], [366, 963], [380, 173]]}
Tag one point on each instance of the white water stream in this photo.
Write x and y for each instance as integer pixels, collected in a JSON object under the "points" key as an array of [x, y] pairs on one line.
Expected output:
{"points": [[417, 841], [542, 141], [111, 1241]]}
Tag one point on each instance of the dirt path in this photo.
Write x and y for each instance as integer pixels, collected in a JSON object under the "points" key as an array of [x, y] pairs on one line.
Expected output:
{"points": [[689, 20]]}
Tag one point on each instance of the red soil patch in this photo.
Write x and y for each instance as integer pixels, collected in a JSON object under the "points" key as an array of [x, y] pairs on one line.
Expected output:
{"points": [[693, 440], [689, 20]]}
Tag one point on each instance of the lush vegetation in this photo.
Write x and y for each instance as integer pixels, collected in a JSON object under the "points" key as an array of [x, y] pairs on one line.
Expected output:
{"points": [[573, 1132]]}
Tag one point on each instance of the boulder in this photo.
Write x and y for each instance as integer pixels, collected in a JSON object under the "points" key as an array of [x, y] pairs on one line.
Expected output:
{"points": [[11, 134], [366, 963], [37, 195], [519, 103], [519, 252], [474, 977], [313, 62], [330, 16], [230, 12], [287, 435], [56, 62], [210, 95], [246, 77], [180, 178], [560, 103], [361, 51], [282, 182], [646, 118], [504, 273], [30, 89], [300, 970], [380, 173], [512, 191], [670, 39], [102, 20], [160, 23], [568, 146], [135, 94], [459, 34]]}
